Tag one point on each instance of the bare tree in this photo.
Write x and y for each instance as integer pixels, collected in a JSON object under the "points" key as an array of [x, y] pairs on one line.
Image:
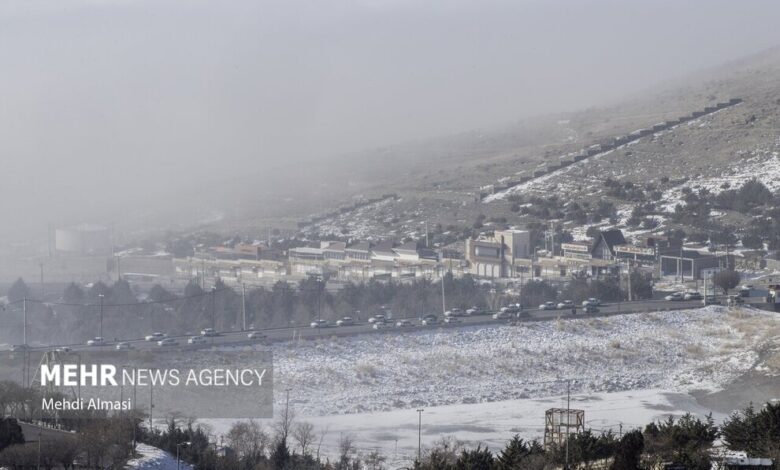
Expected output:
{"points": [[346, 450], [248, 439], [304, 435], [319, 445], [374, 460]]}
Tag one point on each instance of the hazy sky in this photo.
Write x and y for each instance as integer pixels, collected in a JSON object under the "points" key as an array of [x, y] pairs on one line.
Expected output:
{"points": [[102, 99]]}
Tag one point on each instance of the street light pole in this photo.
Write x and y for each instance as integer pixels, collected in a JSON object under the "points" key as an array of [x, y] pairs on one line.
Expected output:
{"points": [[102, 296], [419, 435], [178, 446], [243, 304]]}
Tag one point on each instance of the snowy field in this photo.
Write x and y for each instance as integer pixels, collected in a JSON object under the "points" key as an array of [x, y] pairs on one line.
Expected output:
{"points": [[152, 458], [673, 351], [483, 384]]}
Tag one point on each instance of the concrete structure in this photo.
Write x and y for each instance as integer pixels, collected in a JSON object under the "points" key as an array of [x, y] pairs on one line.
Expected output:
{"points": [[84, 240], [502, 255], [560, 424], [691, 264]]}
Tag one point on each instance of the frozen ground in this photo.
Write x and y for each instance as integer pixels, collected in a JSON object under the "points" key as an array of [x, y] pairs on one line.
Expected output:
{"points": [[484, 384], [154, 458], [673, 351]]}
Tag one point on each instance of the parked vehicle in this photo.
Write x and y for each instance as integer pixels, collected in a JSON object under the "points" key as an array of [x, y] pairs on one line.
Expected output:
{"points": [[19, 347], [255, 335], [502, 315], [591, 309], [96, 341], [319, 324], [711, 300], [403, 323], [429, 320], [380, 325], [123, 346], [156, 336], [197, 340], [744, 291], [377, 318], [692, 296], [511, 309], [565, 304], [167, 342], [475, 311], [675, 296], [346, 321], [548, 306], [591, 301], [208, 332], [452, 320], [735, 300]]}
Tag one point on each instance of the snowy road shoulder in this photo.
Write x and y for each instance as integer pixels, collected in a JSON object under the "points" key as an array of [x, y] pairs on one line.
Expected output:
{"points": [[154, 458]]}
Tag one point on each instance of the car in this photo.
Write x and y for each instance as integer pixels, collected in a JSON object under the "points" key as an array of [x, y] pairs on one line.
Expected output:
{"points": [[62, 349], [208, 332], [346, 321], [711, 300], [452, 320], [591, 301], [744, 291], [255, 335], [167, 342], [123, 346], [675, 296], [319, 324], [509, 309], [565, 304], [429, 320], [735, 300], [156, 336], [591, 309], [96, 341], [475, 311], [403, 323], [692, 296], [197, 340], [502, 315], [379, 325], [19, 347], [548, 306], [377, 318]]}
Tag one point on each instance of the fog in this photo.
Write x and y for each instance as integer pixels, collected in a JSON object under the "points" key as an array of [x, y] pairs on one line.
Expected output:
{"points": [[107, 105]]}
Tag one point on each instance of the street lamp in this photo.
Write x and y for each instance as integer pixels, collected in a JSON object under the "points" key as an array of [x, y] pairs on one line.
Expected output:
{"points": [[178, 446], [419, 436], [102, 296]]}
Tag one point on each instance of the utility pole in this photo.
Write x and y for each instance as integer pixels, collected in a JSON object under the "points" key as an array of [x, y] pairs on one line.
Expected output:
{"points": [[243, 303], [630, 295], [568, 419], [24, 327], [101, 314], [151, 404], [443, 299], [213, 310], [419, 435], [43, 292]]}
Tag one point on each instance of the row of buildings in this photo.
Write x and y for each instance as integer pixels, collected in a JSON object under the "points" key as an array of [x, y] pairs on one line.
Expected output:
{"points": [[503, 254]]}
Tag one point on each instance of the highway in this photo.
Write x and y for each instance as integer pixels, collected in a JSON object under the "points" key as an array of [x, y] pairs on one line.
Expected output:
{"points": [[237, 338]]}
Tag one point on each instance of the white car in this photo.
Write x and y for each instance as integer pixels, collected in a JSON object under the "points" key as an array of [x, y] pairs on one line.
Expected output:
{"points": [[452, 320], [208, 332], [675, 296], [63, 349], [502, 315], [379, 325], [429, 320], [319, 324], [123, 346], [565, 304], [197, 340], [346, 321], [255, 335], [548, 306], [403, 323], [96, 341], [474, 311], [377, 319], [156, 336], [591, 301], [167, 342]]}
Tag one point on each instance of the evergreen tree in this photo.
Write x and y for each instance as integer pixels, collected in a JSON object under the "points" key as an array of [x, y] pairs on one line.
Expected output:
{"points": [[18, 291], [628, 451]]}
